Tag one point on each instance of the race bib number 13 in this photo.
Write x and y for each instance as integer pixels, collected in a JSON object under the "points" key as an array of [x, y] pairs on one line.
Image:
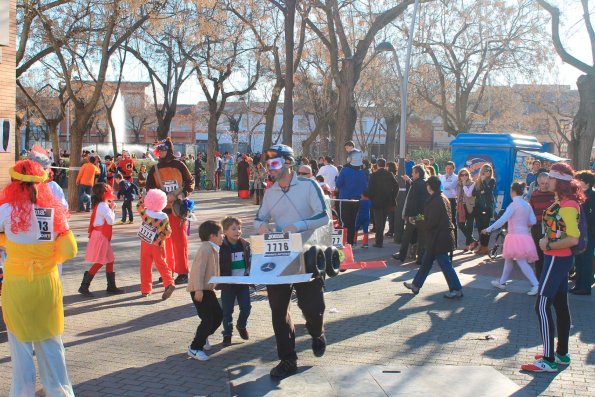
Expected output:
{"points": [[45, 222]]}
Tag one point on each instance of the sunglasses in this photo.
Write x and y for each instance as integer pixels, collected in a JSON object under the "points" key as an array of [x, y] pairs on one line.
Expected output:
{"points": [[464, 174], [275, 164], [303, 173]]}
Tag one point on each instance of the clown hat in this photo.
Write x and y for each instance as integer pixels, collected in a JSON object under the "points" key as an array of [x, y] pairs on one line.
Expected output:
{"points": [[109, 193]]}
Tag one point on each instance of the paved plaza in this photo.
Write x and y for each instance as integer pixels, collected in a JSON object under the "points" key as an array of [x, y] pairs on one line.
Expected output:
{"points": [[125, 345]]}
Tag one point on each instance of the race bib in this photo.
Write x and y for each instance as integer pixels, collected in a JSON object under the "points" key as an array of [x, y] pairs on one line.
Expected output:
{"points": [[147, 233], [338, 238], [276, 244], [170, 186], [45, 223]]}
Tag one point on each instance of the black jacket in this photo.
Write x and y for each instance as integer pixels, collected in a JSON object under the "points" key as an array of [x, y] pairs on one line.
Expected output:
{"points": [[416, 197], [589, 207], [383, 189], [225, 259], [437, 225]]}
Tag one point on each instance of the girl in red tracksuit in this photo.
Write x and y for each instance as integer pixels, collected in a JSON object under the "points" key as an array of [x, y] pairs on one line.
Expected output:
{"points": [[99, 249], [153, 232]]}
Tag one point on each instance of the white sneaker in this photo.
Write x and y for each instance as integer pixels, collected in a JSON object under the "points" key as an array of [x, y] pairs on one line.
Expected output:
{"points": [[197, 354], [533, 290], [207, 345], [496, 283]]}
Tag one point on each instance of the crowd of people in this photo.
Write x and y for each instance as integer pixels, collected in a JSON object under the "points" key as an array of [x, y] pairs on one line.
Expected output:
{"points": [[550, 223]]}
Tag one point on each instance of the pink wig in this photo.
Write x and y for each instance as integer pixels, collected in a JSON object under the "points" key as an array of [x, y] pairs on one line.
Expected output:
{"points": [[155, 200]]}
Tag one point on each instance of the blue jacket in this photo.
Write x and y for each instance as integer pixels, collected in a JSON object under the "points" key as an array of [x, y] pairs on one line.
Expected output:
{"points": [[127, 189], [351, 183]]}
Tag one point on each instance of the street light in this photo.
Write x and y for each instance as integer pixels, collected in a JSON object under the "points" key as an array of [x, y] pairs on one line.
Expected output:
{"points": [[404, 79]]}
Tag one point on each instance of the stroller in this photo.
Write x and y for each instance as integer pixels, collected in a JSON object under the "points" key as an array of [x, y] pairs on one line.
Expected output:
{"points": [[498, 243]]}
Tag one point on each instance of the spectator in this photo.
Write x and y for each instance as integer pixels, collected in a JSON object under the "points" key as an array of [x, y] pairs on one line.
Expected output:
{"points": [[412, 214], [409, 163], [532, 176], [85, 181], [198, 169], [583, 262], [434, 165], [351, 183], [314, 166], [329, 172], [449, 188], [305, 171], [382, 191], [439, 241], [540, 200], [465, 206], [484, 204]]}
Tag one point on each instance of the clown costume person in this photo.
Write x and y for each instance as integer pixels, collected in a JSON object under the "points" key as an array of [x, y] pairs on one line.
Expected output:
{"points": [[99, 249], [172, 176], [153, 233], [35, 231]]}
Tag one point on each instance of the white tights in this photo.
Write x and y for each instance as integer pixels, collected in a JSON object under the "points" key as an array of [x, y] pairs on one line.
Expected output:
{"points": [[525, 268]]}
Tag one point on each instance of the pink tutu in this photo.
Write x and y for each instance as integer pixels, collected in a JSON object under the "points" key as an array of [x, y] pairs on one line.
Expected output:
{"points": [[519, 246], [99, 249]]}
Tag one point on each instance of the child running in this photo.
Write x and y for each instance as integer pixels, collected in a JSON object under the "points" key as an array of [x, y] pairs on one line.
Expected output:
{"points": [[128, 190], [153, 232], [205, 266], [99, 249], [234, 260], [518, 243]]}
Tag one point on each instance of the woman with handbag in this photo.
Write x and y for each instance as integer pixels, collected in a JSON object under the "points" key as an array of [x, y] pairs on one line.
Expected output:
{"points": [[465, 206], [483, 191]]}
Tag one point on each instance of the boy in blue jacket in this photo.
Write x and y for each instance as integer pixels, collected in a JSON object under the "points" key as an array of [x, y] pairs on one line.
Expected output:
{"points": [[128, 190]]}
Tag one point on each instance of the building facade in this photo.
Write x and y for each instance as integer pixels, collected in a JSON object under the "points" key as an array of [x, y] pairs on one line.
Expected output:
{"points": [[7, 86]]}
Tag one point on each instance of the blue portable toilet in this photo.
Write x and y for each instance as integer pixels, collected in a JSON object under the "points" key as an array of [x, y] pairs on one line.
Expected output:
{"points": [[510, 155]]}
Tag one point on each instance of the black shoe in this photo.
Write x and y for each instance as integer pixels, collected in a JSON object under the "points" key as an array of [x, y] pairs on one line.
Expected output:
{"points": [[243, 333], [168, 291], [226, 340], [585, 291], [377, 246], [284, 369], [397, 257], [388, 234], [181, 279], [319, 345], [412, 287]]}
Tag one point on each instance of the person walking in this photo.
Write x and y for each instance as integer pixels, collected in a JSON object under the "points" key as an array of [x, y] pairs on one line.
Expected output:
{"points": [[382, 191], [439, 241], [518, 243], [483, 191], [295, 205], [560, 222], [34, 229], [85, 181]]}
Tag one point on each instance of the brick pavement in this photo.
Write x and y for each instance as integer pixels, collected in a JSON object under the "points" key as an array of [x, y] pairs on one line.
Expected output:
{"points": [[128, 346]]}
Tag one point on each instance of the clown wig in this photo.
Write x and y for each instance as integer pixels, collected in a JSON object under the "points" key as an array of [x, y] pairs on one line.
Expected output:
{"points": [[27, 189], [155, 200], [567, 189]]}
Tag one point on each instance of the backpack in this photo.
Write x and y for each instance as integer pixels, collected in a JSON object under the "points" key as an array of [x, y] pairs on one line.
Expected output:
{"points": [[584, 230]]}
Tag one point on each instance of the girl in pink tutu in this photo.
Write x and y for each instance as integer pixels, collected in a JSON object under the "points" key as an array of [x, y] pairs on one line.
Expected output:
{"points": [[99, 249], [518, 244]]}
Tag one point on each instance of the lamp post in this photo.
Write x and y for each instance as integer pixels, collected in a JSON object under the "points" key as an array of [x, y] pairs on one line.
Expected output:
{"points": [[404, 80]]}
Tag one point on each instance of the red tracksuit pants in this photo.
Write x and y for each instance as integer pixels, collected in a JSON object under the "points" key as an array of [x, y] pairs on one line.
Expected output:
{"points": [[149, 254], [176, 246]]}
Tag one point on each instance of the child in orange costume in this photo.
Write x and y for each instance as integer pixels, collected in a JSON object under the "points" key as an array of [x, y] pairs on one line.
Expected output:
{"points": [[153, 232]]}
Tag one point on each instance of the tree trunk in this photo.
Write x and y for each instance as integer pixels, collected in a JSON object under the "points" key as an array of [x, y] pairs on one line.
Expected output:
{"points": [[112, 129], [288, 100], [76, 146], [163, 127], [346, 111], [270, 113], [583, 125], [27, 130], [391, 135], [306, 143], [53, 131], [212, 144]]}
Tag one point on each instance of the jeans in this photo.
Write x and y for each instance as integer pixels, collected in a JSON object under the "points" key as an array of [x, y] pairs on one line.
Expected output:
{"points": [[127, 208], [228, 179], [84, 189], [52, 367], [210, 314], [229, 294], [445, 265], [584, 266]]}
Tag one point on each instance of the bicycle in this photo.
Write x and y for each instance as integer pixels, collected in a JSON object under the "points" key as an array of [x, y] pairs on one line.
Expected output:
{"points": [[498, 244], [205, 184]]}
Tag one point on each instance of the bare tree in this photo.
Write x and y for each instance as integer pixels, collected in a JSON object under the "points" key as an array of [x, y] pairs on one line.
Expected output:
{"points": [[583, 125]]}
